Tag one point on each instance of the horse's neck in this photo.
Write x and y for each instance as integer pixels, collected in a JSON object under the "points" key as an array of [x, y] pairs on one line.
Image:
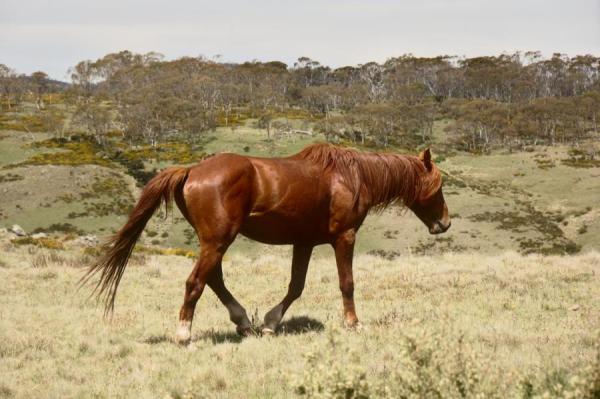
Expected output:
{"points": [[391, 178]]}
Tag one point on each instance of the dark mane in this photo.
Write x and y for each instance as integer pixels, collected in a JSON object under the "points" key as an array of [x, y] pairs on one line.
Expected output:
{"points": [[388, 178]]}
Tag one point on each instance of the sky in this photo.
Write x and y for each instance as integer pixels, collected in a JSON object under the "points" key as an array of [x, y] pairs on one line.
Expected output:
{"points": [[53, 36]]}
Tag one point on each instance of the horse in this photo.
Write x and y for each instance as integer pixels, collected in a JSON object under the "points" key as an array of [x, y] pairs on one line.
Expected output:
{"points": [[320, 195]]}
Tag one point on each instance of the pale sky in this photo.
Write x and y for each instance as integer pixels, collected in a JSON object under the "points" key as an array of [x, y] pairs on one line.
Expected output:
{"points": [[54, 35]]}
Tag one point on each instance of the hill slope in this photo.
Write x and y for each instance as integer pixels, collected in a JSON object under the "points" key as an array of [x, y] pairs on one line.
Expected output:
{"points": [[541, 201]]}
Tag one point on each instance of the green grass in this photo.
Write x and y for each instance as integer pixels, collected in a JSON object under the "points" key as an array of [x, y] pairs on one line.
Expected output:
{"points": [[92, 199], [249, 140], [498, 202], [14, 147]]}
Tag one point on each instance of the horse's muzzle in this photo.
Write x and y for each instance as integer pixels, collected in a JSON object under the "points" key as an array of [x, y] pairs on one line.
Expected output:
{"points": [[438, 227]]}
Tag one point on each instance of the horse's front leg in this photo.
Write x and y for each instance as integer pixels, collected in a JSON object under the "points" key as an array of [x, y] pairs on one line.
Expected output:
{"points": [[300, 261], [344, 252]]}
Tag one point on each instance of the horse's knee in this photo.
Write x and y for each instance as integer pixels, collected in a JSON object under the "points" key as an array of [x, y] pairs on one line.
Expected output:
{"points": [[193, 290], [347, 238], [190, 284]]}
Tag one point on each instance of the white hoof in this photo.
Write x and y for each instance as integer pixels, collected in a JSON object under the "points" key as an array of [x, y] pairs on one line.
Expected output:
{"points": [[353, 326], [184, 332], [267, 331]]}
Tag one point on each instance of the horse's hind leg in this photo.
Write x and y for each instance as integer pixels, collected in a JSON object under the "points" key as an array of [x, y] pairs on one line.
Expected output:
{"points": [[300, 261], [210, 258], [208, 270], [237, 313]]}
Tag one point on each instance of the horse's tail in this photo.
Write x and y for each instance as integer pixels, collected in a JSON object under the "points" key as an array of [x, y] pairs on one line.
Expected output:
{"points": [[118, 249]]}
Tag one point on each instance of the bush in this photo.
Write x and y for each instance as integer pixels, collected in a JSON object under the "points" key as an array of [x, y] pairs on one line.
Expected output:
{"points": [[10, 177], [66, 228], [433, 365], [78, 152], [48, 243], [166, 251]]}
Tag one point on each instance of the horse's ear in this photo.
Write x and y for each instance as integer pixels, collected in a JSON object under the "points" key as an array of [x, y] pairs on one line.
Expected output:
{"points": [[425, 156]]}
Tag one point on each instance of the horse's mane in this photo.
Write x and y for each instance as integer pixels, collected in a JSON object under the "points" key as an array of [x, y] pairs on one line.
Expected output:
{"points": [[388, 178]]}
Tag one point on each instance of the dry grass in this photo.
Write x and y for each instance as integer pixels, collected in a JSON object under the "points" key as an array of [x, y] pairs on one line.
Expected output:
{"points": [[450, 326]]}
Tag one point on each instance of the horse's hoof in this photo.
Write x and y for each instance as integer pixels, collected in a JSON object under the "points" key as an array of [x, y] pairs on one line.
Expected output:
{"points": [[183, 335], [266, 331], [182, 339], [353, 325], [245, 331]]}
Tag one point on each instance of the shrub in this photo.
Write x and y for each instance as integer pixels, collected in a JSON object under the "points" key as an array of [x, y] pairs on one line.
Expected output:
{"points": [[25, 123], [135, 169], [166, 251], [177, 152], [424, 366], [433, 365], [10, 177], [67, 228], [48, 243], [79, 151]]}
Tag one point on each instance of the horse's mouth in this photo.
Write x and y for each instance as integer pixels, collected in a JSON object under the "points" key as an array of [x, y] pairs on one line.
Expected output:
{"points": [[439, 228]]}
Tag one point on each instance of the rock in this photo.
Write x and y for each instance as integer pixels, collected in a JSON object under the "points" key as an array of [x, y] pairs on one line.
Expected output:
{"points": [[18, 230], [88, 241], [575, 308], [37, 236]]}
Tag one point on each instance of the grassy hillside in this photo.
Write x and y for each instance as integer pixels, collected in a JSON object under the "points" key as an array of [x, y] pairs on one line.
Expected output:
{"points": [[543, 201], [485, 310]]}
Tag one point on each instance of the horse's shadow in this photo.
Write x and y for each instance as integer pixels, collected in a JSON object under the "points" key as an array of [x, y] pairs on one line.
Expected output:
{"points": [[292, 326], [299, 325]]}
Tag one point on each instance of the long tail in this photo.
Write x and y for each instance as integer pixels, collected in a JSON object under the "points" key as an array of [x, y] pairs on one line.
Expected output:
{"points": [[118, 249]]}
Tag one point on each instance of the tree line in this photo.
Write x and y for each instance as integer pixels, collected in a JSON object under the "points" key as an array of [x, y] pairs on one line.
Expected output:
{"points": [[508, 100]]}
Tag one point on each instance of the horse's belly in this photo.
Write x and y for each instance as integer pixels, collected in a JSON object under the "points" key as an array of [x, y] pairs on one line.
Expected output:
{"points": [[276, 229]]}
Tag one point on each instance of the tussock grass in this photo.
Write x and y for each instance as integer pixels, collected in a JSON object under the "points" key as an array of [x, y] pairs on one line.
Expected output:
{"points": [[458, 325]]}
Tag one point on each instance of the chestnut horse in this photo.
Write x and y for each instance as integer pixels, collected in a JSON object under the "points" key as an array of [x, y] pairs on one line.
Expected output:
{"points": [[318, 196]]}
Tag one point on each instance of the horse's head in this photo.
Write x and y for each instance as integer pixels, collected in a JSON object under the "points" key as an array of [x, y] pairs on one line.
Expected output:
{"points": [[429, 205]]}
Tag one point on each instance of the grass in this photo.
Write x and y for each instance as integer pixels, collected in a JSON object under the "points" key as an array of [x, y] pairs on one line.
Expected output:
{"points": [[95, 197], [450, 326], [481, 191], [247, 139], [15, 147], [446, 316]]}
